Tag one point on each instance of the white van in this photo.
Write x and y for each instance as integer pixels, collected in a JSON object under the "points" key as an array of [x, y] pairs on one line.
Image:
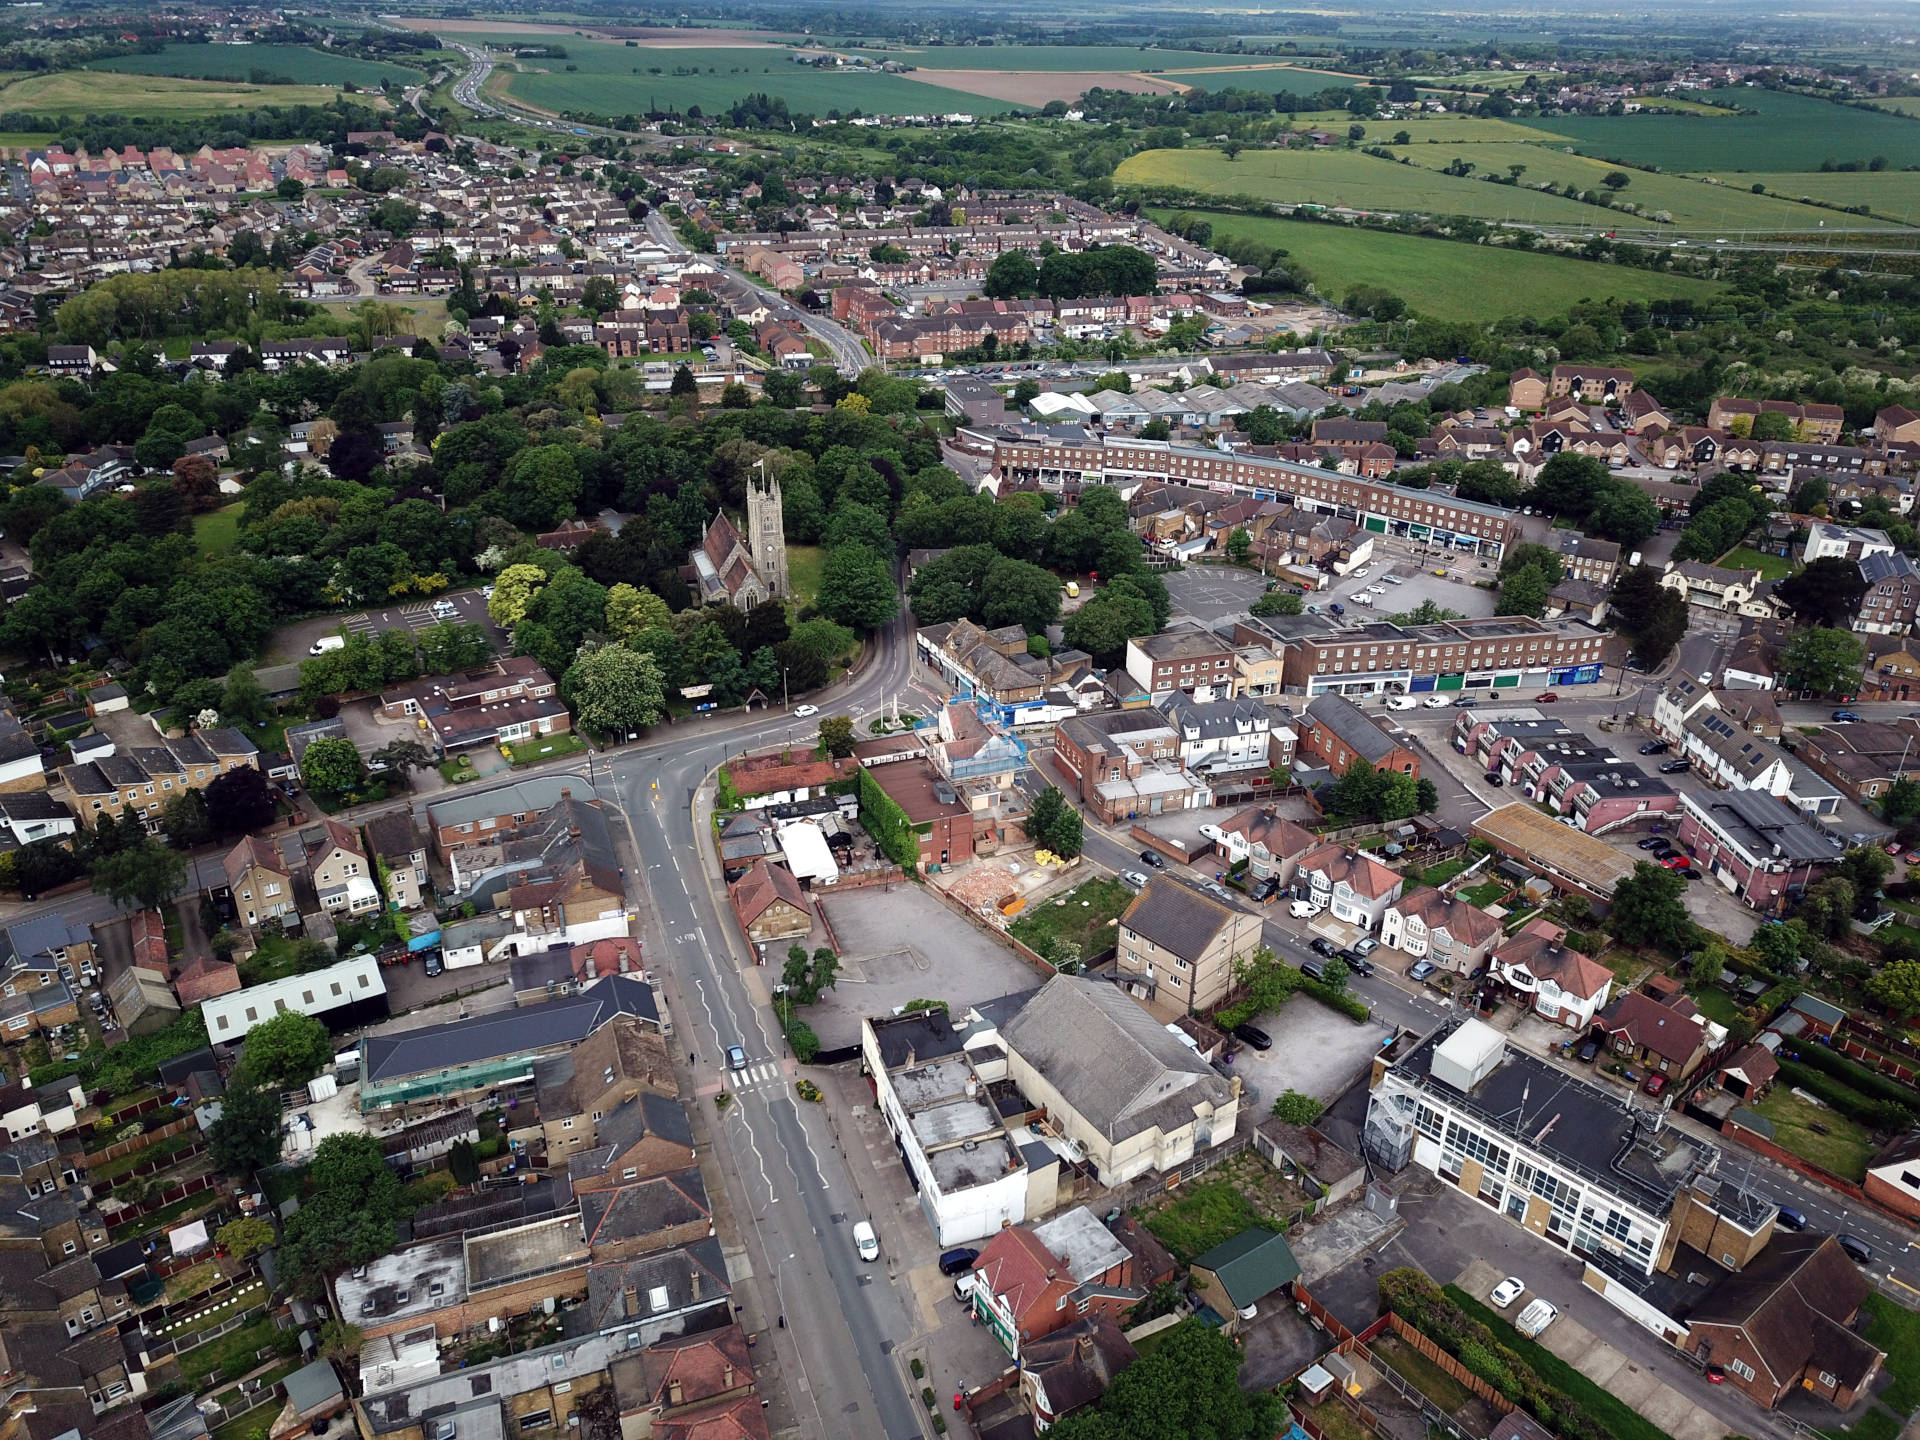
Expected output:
{"points": [[1303, 910], [326, 643], [865, 1243], [1536, 1318]]}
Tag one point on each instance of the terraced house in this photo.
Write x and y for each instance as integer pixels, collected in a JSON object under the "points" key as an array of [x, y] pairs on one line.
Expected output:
{"points": [[142, 780]]}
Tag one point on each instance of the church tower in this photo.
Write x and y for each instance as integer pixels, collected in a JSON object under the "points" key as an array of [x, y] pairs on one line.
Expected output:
{"points": [[766, 533]]}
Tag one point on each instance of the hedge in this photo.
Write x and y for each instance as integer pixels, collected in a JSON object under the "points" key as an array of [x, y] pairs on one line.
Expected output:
{"points": [[1866, 1080], [1348, 1004], [892, 831], [1874, 1114]]}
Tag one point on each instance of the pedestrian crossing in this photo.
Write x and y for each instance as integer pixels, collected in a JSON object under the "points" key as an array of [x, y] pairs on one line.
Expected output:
{"points": [[755, 1077]]}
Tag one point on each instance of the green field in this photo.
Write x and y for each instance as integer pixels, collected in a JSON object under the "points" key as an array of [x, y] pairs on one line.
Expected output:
{"points": [[1690, 202], [1448, 280], [300, 63], [218, 529], [1788, 132], [608, 79], [1438, 129], [80, 92], [1894, 193], [805, 565], [1054, 57], [1350, 179], [1771, 567]]}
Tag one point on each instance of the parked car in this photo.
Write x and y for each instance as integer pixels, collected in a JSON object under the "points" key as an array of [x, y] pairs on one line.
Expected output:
{"points": [[1655, 842], [1791, 1218], [1365, 946], [1856, 1249], [1654, 1084], [1320, 945], [1394, 579], [1154, 859], [1422, 970], [444, 610], [1845, 717], [1536, 1318], [1545, 697], [1654, 747], [434, 963], [1218, 891], [1589, 1052], [1133, 879], [865, 1243], [1507, 1291], [1675, 767], [1687, 872], [1493, 779], [1401, 702], [954, 1261], [1360, 965], [1337, 608], [1254, 1036], [1302, 910], [1265, 890], [1465, 702], [1673, 862], [1437, 702], [1313, 970]]}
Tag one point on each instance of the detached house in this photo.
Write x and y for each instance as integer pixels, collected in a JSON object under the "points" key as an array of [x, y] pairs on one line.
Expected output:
{"points": [[1672, 1038], [341, 873], [1182, 944], [260, 881]]}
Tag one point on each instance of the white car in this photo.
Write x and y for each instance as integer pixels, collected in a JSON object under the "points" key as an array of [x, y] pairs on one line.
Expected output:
{"points": [[865, 1243], [801, 712], [1507, 1291], [1437, 702], [1536, 1318], [1401, 702], [1394, 579], [1303, 909]]}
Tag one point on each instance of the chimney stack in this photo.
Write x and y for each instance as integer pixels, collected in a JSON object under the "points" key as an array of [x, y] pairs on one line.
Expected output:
{"points": [[676, 1393], [631, 1298], [726, 1377]]}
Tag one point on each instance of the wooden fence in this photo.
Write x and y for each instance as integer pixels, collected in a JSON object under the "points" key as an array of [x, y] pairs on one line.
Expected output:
{"points": [[1468, 1380], [138, 1142]]}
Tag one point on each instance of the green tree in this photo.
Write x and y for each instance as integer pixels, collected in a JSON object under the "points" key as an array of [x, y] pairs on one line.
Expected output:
{"points": [[1826, 592], [836, 736], [1615, 180], [1103, 625], [1186, 1388], [463, 1161], [1010, 276], [246, 1137], [146, 875], [857, 589], [331, 766], [247, 1236], [1278, 602], [1649, 908], [1897, 987], [239, 802], [243, 700], [1297, 1109], [339, 1341], [631, 610], [513, 592], [615, 692], [284, 1050], [1822, 660], [1524, 593], [1239, 546], [1902, 801], [184, 819]]}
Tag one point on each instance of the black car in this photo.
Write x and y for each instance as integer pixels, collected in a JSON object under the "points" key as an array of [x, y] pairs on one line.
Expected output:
{"points": [[955, 1261], [1493, 779], [1655, 842], [1676, 767], [1320, 945], [1654, 747], [1154, 858], [1254, 1036], [1589, 1052], [1265, 890], [1359, 964], [1856, 1249], [1791, 1218]]}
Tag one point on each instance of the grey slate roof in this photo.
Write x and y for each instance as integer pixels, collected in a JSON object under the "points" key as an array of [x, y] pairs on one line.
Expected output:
{"points": [[523, 797], [513, 1032], [1176, 917], [1110, 1060], [1353, 727]]}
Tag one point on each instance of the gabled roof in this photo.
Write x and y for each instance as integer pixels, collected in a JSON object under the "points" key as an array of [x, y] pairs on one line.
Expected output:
{"points": [[1252, 1265], [1360, 871], [1652, 1026], [1462, 920], [756, 891], [1795, 1302], [1177, 917]]}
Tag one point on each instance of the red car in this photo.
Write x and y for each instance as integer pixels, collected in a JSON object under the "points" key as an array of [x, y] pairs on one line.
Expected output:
{"points": [[1546, 698], [1654, 1084], [1677, 862]]}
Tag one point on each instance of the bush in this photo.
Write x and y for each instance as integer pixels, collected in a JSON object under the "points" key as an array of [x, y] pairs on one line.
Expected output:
{"points": [[1865, 1079], [805, 1043], [1875, 1113], [1351, 1006]]}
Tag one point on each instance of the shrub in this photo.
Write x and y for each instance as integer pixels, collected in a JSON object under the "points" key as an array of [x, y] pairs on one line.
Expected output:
{"points": [[1874, 1113], [805, 1043], [1865, 1079]]}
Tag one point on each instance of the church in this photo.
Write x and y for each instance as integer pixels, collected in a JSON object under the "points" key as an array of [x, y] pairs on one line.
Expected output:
{"points": [[743, 574]]}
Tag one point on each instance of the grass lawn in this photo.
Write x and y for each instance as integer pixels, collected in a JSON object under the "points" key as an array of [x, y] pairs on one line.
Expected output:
{"points": [[1818, 1134], [428, 313], [124, 1164], [254, 1425], [1771, 567], [1336, 1422], [1201, 1216], [1433, 1382], [545, 748], [1611, 1412], [1626, 966], [1437, 875], [1486, 892], [1717, 1005], [185, 1284], [1896, 1330], [229, 1357], [1447, 279], [1083, 920], [1876, 1424], [804, 564], [454, 772]]}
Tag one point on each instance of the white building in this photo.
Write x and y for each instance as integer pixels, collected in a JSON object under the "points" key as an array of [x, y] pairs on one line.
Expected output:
{"points": [[355, 982], [1845, 542]]}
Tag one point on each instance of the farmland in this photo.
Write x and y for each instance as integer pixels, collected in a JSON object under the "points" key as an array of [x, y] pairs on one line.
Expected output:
{"points": [[1787, 132], [1893, 193], [1690, 202], [1052, 57], [1432, 129], [79, 92], [608, 79], [299, 63], [1449, 280], [1347, 178]]}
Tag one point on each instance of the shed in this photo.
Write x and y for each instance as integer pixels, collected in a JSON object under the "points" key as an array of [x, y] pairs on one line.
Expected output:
{"points": [[1245, 1270]]}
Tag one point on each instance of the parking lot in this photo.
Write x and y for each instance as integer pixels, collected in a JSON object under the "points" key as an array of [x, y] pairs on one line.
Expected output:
{"points": [[1210, 592], [1456, 591], [293, 643], [898, 944], [1315, 1051]]}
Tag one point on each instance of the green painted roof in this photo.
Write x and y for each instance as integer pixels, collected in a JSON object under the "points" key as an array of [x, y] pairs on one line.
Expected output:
{"points": [[1251, 1265]]}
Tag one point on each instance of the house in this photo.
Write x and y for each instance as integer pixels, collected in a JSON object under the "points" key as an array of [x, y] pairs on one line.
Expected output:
{"points": [[1892, 599], [1184, 658], [1844, 542], [1893, 1175], [942, 820], [1672, 1038], [645, 1135], [1584, 558], [1784, 1325], [1071, 1368], [1355, 886], [1714, 587], [1896, 424], [1595, 384], [502, 703], [1750, 1071], [1560, 983], [1340, 734], [769, 904], [260, 881], [1114, 1081], [1527, 390], [400, 852], [342, 875], [1429, 924], [72, 359], [1219, 738], [1030, 1282], [682, 1380], [1271, 843], [1180, 945], [33, 815], [662, 1296], [1237, 1275]]}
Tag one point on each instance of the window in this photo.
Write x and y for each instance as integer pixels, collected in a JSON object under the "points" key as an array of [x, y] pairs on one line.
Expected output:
{"points": [[539, 1420], [1828, 1380], [67, 1247], [566, 1124], [1742, 1369]]}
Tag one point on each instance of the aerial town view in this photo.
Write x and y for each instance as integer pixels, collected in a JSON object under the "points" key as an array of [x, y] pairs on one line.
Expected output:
{"points": [[769, 721]]}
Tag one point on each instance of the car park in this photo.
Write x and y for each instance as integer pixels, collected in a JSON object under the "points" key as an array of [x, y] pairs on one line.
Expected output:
{"points": [[1254, 1036], [1506, 1292], [1154, 859]]}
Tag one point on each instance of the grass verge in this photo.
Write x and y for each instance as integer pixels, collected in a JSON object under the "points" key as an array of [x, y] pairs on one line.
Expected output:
{"points": [[548, 747], [1896, 1330]]}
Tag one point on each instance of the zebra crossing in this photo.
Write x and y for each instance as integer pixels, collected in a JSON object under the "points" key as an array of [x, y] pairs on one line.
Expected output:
{"points": [[756, 1077]]}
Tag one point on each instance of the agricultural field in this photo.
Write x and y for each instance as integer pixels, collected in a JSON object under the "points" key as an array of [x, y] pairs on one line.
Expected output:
{"points": [[1053, 57], [1347, 178], [300, 63], [1892, 193], [1787, 132], [611, 79], [1692, 203], [1449, 280], [1433, 129], [79, 92]]}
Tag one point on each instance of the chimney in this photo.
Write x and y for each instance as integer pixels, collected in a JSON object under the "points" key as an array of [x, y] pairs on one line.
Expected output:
{"points": [[631, 1299], [726, 1377], [696, 1284], [676, 1393], [1083, 1347]]}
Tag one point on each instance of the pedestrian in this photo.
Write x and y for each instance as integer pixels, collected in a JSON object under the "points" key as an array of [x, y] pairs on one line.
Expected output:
{"points": [[692, 1058]]}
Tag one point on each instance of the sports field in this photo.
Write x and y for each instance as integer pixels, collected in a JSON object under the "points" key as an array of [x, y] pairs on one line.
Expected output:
{"points": [[1448, 280], [612, 79], [1691, 202], [300, 63], [1788, 132], [80, 92], [1350, 179]]}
